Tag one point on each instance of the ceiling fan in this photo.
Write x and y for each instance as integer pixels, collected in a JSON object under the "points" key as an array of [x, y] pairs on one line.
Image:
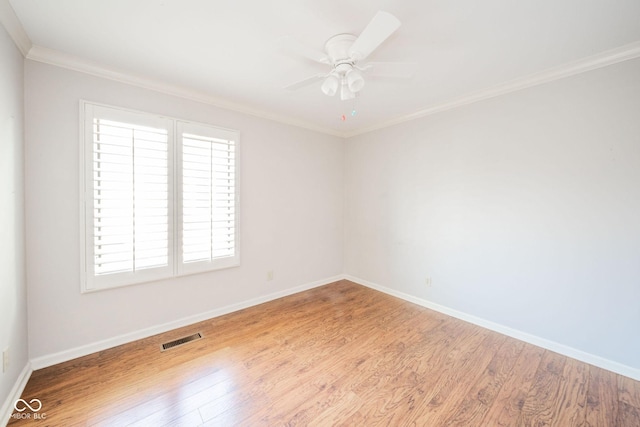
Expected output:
{"points": [[344, 53]]}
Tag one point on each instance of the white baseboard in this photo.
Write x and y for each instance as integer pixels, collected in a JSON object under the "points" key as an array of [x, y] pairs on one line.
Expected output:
{"points": [[63, 356], [565, 350], [7, 407], [73, 353]]}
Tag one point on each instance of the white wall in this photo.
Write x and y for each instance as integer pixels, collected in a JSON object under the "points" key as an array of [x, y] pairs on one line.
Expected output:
{"points": [[13, 290], [292, 187], [523, 209]]}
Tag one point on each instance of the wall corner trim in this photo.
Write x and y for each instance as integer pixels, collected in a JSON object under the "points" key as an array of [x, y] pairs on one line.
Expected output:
{"points": [[565, 350]]}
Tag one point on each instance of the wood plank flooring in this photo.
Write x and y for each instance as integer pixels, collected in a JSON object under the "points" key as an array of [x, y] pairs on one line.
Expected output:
{"points": [[341, 354]]}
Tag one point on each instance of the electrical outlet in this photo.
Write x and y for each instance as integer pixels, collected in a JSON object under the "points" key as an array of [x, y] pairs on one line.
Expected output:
{"points": [[428, 282], [270, 275], [5, 360]]}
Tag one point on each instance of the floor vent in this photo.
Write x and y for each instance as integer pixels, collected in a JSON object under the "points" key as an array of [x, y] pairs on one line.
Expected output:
{"points": [[180, 341]]}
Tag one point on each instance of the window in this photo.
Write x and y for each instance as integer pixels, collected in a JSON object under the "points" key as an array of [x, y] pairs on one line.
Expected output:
{"points": [[160, 197], [208, 197]]}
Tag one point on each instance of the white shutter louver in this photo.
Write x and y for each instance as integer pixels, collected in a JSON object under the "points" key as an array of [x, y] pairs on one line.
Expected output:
{"points": [[130, 185], [208, 198]]}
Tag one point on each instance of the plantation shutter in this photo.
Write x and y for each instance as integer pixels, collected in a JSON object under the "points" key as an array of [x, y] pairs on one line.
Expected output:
{"points": [[209, 195], [130, 209], [159, 197]]}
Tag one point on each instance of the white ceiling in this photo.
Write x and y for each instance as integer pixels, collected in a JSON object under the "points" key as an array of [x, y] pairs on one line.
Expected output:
{"points": [[229, 51]]}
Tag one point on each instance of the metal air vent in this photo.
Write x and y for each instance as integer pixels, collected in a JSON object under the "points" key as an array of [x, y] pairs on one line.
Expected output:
{"points": [[180, 341]]}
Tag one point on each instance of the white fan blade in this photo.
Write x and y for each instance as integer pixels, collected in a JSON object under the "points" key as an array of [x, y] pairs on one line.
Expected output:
{"points": [[377, 31], [306, 82], [402, 70], [294, 46]]}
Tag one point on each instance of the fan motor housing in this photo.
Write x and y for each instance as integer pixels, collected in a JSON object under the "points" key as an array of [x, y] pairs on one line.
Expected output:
{"points": [[337, 48]]}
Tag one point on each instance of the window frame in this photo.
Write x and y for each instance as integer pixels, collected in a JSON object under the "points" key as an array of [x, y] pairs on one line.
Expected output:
{"points": [[176, 267]]}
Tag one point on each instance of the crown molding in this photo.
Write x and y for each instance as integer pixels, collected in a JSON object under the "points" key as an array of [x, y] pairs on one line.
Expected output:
{"points": [[12, 24], [71, 62], [603, 59]]}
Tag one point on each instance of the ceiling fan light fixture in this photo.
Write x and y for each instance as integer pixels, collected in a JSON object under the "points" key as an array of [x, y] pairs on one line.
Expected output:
{"points": [[330, 85], [344, 51], [346, 93], [355, 81]]}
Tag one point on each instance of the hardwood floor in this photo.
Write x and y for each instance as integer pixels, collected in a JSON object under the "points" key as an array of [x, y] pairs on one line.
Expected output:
{"points": [[341, 354]]}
